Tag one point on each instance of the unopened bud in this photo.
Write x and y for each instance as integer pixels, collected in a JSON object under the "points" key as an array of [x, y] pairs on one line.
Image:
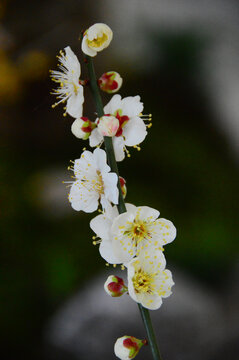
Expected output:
{"points": [[108, 125], [114, 286], [82, 128], [127, 347], [110, 82], [123, 186]]}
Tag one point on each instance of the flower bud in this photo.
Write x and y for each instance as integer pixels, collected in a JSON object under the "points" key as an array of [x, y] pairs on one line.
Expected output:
{"points": [[108, 125], [114, 286], [123, 186], [82, 128], [110, 82], [96, 38], [127, 347]]}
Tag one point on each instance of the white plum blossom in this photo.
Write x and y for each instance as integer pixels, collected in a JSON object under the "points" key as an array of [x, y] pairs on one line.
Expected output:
{"points": [[131, 130], [96, 38], [137, 229], [101, 225], [70, 89], [93, 182], [127, 347], [148, 280]]}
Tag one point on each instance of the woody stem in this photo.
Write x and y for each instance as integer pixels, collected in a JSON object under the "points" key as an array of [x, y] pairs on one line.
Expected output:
{"points": [[121, 205]]}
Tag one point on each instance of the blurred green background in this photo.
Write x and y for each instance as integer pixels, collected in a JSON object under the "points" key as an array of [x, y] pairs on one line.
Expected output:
{"points": [[187, 167]]}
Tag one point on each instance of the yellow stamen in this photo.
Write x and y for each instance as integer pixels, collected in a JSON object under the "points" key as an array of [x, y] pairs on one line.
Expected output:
{"points": [[99, 41]]}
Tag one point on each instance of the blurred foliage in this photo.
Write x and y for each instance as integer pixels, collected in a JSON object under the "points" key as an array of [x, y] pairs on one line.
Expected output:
{"points": [[33, 65], [10, 80], [185, 170]]}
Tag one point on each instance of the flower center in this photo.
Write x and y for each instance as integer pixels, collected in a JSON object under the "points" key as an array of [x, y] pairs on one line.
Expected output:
{"points": [[143, 282], [122, 121], [75, 88], [99, 184], [139, 230], [95, 43]]}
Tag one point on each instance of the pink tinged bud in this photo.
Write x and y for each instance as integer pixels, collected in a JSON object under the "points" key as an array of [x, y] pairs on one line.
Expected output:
{"points": [[110, 82], [114, 286], [82, 128], [127, 347], [123, 186], [108, 125]]}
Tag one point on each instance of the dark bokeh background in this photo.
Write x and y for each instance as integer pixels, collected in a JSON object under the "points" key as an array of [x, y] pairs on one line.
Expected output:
{"points": [[181, 57]]}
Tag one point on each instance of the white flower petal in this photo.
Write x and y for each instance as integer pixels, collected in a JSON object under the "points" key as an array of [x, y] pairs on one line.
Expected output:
{"points": [[111, 190], [113, 105], [106, 251], [101, 226], [165, 282], [121, 222], [152, 260], [95, 138], [85, 165], [131, 272], [123, 249], [146, 213], [91, 204], [73, 61], [82, 199], [151, 301], [74, 104], [85, 48], [134, 131], [118, 144], [131, 208], [105, 203], [165, 231], [100, 160], [111, 213], [132, 106]]}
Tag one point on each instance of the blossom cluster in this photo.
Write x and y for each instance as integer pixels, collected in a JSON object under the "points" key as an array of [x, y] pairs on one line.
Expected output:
{"points": [[134, 239]]}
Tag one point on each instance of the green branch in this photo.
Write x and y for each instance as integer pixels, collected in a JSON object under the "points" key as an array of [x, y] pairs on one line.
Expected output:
{"points": [[121, 206]]}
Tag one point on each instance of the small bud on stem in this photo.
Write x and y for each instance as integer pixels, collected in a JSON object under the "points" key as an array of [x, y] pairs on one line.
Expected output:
{"points": [[110, 82], [127, 347], [114, 286]]}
